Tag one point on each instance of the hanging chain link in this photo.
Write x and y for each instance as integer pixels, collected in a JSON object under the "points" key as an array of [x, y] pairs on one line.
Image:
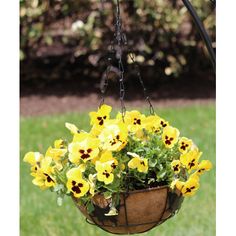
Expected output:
{"points": [[121, 41], [145, 93]]}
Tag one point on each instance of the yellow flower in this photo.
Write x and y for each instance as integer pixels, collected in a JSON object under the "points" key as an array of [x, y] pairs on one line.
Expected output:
{"points": [[98, 118], [154, 123], [175, 164], [107, 156], [164, 123], [104, 172], [190, 159], [177, 183], [96, 130], [190, 187], [138, 162], [75, 183], [79, 137], [59, 144], [43, 175], [84, 150], [55, 153], [33, 158], [73, 129], [187, 188], [170, 136], [203, 166], [195, 175], [114, 135], [133, 120], [185, 144]]}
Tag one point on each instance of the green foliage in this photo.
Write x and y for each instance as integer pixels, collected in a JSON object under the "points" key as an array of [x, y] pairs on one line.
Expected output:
{"points": [[160, 31]]}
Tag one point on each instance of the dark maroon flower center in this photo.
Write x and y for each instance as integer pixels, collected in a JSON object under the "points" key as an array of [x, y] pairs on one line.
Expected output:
{"points": [[191, 164], [48, 179], [113, 165], [142, 163], [163, 124], [201, 170], [101, 119], [76, 186], [189, 190], [176, 168], [137, 121], [106, 174], [168, 140], [184, 146], [85, 153], [115, 140]]}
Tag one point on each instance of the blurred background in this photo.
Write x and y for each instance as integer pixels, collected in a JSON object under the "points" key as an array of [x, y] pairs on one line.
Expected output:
{"points": [[64, 50], [63, 55]]}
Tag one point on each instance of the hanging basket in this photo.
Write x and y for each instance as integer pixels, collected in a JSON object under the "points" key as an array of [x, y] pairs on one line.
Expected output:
{"points": [[138, 211]]}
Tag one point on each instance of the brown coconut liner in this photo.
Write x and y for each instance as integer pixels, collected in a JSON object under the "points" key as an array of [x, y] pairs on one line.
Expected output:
{"points": [[138, 211]]}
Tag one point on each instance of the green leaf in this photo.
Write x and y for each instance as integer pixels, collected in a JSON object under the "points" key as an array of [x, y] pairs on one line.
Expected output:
{"points": [[90, 207], [107, 195], [152, 162]]}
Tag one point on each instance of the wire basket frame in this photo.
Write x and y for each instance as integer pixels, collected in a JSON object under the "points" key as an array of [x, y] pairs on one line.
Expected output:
{"points": [[138, 211]]}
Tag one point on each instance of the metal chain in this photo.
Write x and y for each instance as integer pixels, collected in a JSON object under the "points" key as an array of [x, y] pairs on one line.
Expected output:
{"points": [[119, 38], [121, 41], [145, 93], [120, 71]]}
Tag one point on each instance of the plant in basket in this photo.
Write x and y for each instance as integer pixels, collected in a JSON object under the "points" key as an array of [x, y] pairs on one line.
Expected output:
{"points": [[127, 174]]}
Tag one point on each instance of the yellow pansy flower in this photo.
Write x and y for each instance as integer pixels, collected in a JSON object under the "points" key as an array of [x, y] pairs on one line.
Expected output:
{"points": [[177, 183], [175, 164], [185, 144], [55, 153], [103, 114], [104, 172], [190, 159], [75, 183], [195, 175], [187, 188], [84, 150], [133, 119], [96, 130], [114, 135], [107, 156], [34, 159], [164, 123], [190, 187], [204, 165], [154, 123], [59, 144], [73, 128], [43, 176], [170, 136], [79, 137], [137, 162]]}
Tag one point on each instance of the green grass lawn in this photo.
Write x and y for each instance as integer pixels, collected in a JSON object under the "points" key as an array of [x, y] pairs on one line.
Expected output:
{"points": [[40, 215]]}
